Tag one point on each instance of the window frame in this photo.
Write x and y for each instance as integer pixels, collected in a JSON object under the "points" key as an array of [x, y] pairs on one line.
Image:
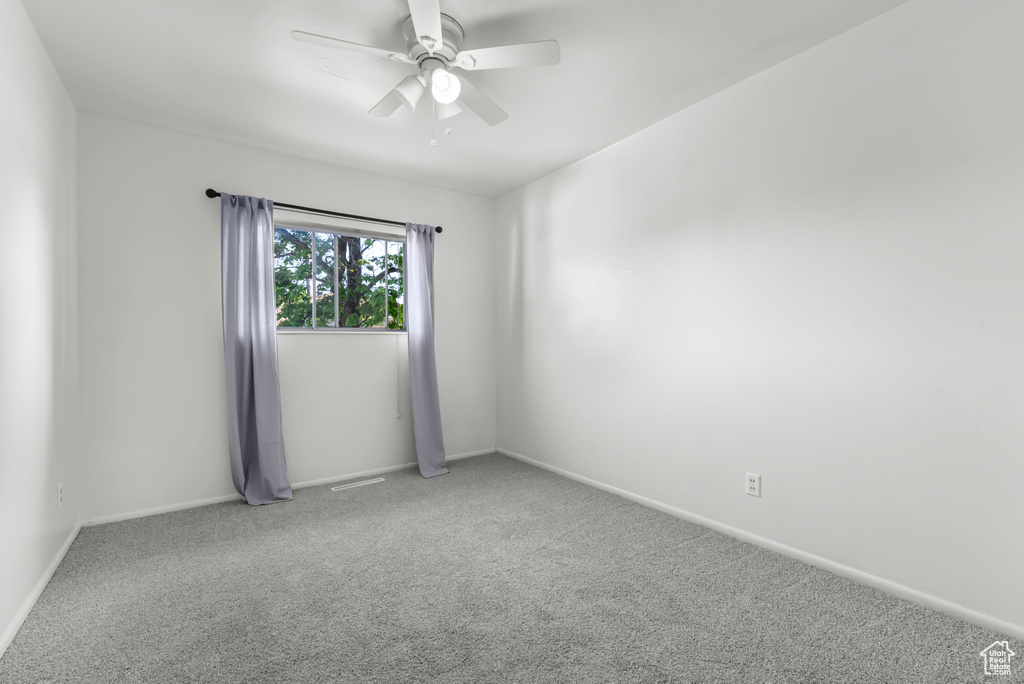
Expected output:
{"points": [[361, 233]]}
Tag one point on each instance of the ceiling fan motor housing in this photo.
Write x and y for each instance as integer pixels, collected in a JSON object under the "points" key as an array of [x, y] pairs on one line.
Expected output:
{"points": [[452, 36]]}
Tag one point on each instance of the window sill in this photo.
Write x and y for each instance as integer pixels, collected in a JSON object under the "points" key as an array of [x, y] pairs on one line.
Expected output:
{"points": [[337, 331]]}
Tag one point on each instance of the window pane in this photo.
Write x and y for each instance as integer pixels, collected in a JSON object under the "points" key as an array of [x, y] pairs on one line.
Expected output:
{"points": [[358, 280], [324, 280], [373, 277], [292, 271], [396, 293], [360, 288]]}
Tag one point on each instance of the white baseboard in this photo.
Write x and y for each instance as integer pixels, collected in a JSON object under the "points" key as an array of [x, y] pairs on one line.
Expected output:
{"points": [[471, 454], [157, 510], [387, 469], [351, 476], [30, 601], [902, 591]]}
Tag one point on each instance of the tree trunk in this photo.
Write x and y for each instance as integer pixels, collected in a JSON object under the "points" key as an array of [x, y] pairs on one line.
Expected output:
{"points": [[351, 248]]}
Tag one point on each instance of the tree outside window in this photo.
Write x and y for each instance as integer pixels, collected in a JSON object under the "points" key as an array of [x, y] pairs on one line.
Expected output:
{"points": [[356, 282]]}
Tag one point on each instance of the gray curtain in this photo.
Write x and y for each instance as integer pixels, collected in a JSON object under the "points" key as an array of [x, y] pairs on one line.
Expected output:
{"points": [[419, 321], [250, 349]]}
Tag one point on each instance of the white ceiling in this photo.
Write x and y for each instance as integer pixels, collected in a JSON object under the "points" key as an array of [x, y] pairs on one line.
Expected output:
{"points": [[228, 69]]}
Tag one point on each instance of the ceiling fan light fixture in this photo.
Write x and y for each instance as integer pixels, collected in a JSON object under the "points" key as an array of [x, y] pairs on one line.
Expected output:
{"points": [[445, 87], [411, 90], [447, 111]]}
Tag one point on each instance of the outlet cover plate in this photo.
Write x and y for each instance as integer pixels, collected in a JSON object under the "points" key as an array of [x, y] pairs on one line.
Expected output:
{"points": [[753, 484]]}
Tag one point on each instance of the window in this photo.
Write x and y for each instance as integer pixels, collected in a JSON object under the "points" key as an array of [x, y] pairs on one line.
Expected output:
{"points": [[327, 280]]}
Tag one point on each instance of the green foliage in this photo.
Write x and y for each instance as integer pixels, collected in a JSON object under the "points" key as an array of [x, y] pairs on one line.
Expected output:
{"points": [[362, 284], [292, 269]]}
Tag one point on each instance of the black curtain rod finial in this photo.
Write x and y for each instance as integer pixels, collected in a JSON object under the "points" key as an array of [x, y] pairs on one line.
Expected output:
{"points": [[211, 193]]}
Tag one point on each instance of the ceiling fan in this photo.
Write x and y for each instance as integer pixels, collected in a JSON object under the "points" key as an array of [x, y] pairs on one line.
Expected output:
{"points": [[434, 47]]}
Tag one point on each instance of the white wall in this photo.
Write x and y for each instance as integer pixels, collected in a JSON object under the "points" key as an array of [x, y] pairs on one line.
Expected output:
{"points": [[38, 335], [153, 409], [816, 275]]}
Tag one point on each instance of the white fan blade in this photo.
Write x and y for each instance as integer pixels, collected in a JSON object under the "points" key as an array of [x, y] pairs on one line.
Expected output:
{"points": [[317, 39], [541, 53], [388, 105], [484, 107], [426, 20]]}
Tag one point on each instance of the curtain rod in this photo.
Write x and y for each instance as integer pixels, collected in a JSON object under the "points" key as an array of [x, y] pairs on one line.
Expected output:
{"points": [[211, 193]]}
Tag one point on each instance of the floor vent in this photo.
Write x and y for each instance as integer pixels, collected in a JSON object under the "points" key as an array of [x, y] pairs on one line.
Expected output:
{"points": [[350, 485]]}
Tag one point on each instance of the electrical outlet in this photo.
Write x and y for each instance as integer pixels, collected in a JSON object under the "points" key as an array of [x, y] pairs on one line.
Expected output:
{"points": [[60, 495], [753, 484]]}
